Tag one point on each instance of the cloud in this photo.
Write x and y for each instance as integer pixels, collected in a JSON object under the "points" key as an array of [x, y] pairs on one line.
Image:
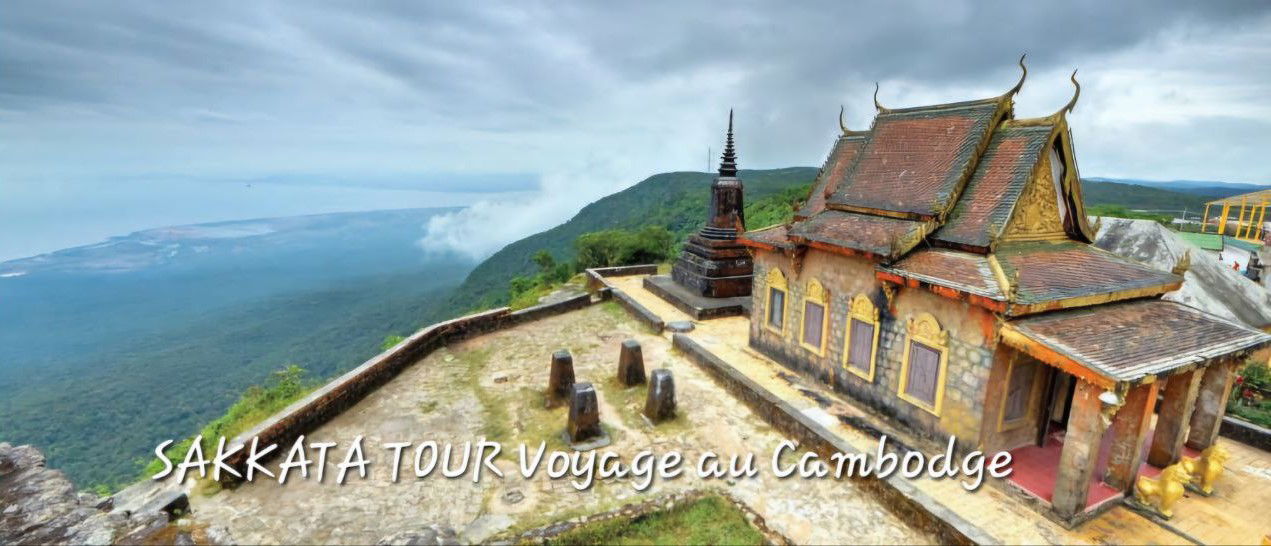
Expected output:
{"points": [[592, 97]]}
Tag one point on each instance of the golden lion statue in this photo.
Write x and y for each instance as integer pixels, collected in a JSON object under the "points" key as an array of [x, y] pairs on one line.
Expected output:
{"points": [[1167, 489], [1206, 469]]}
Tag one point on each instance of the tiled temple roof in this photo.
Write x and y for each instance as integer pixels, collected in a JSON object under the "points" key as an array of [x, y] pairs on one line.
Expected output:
{"points": [[964, 271], [1000, 177], [915, 160], [771, 237], [881, 236], [1129, 341], [835, 168], [1050, 272]]}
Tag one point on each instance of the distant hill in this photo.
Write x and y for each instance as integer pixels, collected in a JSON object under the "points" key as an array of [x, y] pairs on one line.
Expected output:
{"points": [[1138, 197], [1207, 188]]}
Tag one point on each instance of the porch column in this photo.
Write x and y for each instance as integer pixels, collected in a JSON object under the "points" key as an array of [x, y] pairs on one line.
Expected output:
{"points": [[1129, 429], [1173, 417], [1080, 451], [1211, 404]]}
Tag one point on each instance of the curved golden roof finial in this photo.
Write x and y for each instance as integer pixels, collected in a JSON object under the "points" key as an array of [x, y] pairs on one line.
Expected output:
{"points": [[1022, 76], [877, 106], [842, 126], [1073, 103]]}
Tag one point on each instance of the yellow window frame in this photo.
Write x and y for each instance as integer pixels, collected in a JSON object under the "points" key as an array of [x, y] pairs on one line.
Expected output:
{"points": [[864, 310], [776, 280], [925, 329], [817, 294]]}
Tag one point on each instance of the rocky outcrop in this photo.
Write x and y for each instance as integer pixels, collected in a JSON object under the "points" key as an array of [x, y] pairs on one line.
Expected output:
{"points": [[39, 505]]}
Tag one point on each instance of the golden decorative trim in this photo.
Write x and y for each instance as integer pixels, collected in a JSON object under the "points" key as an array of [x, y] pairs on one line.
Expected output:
{"points": [[926, 330], [1022, 76], [796, 259], [1008, 289], [1036, 215], [878, 212], [878, 106], [814, 293], [1093, 299], [1183, 264], [1012, 337], [1076, 93], [889, 292], [864, 310]]}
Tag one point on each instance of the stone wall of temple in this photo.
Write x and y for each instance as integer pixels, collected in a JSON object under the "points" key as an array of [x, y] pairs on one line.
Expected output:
{"points": [[969, 352]]}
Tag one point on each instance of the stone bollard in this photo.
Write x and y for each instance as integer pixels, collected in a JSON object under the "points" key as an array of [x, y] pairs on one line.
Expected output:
{"points": [[631, 364], [584, 414], [660, 405], [562, 378]]}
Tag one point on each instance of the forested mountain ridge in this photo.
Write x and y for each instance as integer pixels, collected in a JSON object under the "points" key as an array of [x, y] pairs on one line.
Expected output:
{"points": [[676, 200]]}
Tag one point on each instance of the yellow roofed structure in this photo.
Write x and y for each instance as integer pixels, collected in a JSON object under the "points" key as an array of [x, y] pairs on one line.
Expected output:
{"points": [[1250, 211]]}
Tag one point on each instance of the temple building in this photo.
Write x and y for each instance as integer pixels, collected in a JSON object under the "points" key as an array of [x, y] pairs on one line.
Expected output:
{"points": [[941, 272]]}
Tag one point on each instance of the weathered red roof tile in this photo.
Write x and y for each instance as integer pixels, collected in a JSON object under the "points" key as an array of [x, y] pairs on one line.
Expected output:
{"points": [[772, 236], [955, 269], [885, 237], [832, 173], [1128, 341], [916, 159], [1064, 270], [985, 205]]}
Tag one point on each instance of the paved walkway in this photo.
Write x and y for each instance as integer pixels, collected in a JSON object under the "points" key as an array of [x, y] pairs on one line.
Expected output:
{"points": [[491, 386], [1236, 514]]}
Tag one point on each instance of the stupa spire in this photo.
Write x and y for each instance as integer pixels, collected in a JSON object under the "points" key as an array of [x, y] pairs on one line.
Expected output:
{"points": [[728, 165]]}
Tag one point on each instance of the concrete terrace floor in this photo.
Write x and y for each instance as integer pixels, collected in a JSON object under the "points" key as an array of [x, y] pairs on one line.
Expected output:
{"points": [[1235, 514], [491, 386]]}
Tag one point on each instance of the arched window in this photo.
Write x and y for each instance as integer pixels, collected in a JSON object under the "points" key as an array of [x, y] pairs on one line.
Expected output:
{"points": [[926, 363], [775, 304], [812, 323], [862, 337]]}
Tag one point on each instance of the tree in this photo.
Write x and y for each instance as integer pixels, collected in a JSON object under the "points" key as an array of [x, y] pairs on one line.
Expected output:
{"points": [[545, 262]]}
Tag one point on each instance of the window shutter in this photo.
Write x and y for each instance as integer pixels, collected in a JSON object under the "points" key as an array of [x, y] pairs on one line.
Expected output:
{"points": [[776, 306], [924, 372], [862, 340], [813, 319], [1018, 389]]}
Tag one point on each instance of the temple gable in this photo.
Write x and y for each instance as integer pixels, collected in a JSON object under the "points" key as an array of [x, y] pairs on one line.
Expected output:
{"points": [[1040, 211]]}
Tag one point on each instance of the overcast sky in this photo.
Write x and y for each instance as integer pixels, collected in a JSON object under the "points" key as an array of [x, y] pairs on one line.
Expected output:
{"points": [[474, 99]]}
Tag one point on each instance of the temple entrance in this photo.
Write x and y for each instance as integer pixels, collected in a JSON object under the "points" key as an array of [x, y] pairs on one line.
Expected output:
{"points": [[1056, 405], [1037, 465]]}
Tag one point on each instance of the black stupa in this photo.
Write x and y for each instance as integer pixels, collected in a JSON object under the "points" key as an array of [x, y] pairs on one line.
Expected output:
{"points": [[713, 264]]}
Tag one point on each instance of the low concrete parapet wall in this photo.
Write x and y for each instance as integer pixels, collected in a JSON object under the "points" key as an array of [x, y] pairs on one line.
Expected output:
{"points": [[895, 492], [625, 270], [596, 284], [642, 313], [328, 401], [1246, 433]]}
